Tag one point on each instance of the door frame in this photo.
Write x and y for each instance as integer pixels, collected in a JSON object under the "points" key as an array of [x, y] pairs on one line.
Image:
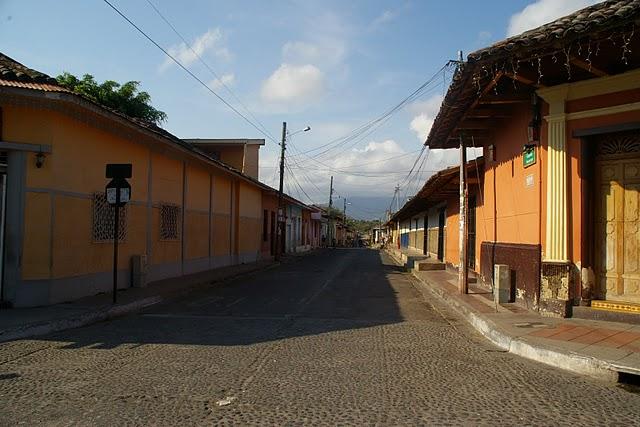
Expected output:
{"points": [[442, 219], [588, 138]]}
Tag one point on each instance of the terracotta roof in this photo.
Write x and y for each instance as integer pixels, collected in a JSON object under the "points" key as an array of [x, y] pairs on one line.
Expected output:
{"points": [[545, 40], [588, 20], [432, 192], [12, 70]]}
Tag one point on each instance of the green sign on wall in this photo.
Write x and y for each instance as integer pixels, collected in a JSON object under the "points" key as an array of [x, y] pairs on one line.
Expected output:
{"points": [[529, 157]]}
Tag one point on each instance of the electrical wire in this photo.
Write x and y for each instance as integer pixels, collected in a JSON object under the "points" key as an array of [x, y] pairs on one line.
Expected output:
{"points": [[365, 127], [208, 67], [196, 78]]}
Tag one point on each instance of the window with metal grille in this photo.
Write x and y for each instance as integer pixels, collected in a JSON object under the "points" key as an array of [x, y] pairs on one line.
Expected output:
{"points": [[169, 222], [103, 220]]}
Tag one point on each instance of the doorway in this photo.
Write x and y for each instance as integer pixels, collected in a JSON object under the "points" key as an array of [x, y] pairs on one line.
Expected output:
{"points": [[3, 216], [425, 237], [471, 233], [441, 224], [617, 218]]}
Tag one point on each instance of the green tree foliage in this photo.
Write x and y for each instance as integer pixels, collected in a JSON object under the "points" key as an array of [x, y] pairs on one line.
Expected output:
{"points": [[125, 98]]}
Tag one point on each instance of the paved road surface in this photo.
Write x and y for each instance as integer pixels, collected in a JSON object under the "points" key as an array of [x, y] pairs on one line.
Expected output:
{"points": [[338, 337]]}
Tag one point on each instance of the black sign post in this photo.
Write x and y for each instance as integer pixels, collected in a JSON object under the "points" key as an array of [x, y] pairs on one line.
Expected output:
{"points": [[118, 192]]}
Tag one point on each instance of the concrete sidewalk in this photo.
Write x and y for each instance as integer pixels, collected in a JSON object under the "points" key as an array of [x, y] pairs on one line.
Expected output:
{"points": [[591, 347], [25, 322]]}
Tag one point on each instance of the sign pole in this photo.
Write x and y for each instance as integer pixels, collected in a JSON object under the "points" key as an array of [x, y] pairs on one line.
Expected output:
{"points": [[116, 226], [118, 193]]}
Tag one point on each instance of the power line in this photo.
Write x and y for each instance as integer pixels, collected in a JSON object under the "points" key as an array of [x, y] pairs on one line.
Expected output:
{"points": [[208, 67], [365, 127], [179, 64]]}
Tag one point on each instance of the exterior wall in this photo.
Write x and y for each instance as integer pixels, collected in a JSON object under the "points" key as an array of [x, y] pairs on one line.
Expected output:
{"points": [[270, 204], [251, 161], [404, 233], [60, 261], [598, 105], [232, 155], [250, 223], [452, 234], [511, 191], [433, 215], [293, 227], [508, 213], [416, 234]]}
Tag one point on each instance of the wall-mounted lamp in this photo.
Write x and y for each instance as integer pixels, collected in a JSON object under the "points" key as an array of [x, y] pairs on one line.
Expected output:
{"points": [[39, 159], [533, 130], [491, 153]]}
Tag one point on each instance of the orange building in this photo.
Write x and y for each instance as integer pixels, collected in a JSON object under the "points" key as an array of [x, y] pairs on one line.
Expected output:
{"points": [[557, 112], [189, 211]]}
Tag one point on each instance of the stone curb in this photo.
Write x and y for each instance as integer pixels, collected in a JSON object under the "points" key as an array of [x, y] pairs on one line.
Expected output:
{"points": [[109, 312], [77, 321], [584, 365]]}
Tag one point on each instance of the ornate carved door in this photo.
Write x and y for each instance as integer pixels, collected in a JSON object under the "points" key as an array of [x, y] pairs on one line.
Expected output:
{"points": [[617, 220]]}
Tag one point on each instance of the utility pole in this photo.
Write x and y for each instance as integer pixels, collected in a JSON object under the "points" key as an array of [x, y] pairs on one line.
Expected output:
{"points": [[330, 237], [463, 284], [344, 211], [398, 222], [281, 219]]}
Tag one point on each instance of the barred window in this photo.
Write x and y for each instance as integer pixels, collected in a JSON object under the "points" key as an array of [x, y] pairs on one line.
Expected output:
{"points": [[169, 222], [103, 220]]}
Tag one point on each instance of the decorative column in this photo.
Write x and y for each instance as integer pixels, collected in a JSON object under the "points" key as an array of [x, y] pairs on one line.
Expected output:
{"points": [[556, 235], [555, 277]]}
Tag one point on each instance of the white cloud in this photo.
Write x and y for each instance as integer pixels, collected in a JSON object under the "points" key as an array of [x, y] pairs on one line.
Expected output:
{"points": [[326, 51], [542, 12], [210, 42], [225, 80], [388, 16], [296, 84], [384, 17], [425, 113]]}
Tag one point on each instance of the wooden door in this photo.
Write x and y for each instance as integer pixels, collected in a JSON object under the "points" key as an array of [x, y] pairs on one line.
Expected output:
{"points": [[617, 220]]}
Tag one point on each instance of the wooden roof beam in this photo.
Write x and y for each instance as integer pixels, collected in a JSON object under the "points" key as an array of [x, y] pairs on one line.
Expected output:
{"points": [[590, 68], [505, 99], [520, 77], [470, 124]]}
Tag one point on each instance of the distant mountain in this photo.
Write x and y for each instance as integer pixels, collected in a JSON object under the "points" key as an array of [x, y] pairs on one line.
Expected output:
{"points": [[363, 207]]}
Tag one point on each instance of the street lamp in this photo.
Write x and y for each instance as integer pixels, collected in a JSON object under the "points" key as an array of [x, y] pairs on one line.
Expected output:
{"points": [[281, 218], [306, 129]]}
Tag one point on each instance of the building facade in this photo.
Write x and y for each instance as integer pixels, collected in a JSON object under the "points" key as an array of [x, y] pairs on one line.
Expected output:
{"points": [[557, 113], [188, 212]]}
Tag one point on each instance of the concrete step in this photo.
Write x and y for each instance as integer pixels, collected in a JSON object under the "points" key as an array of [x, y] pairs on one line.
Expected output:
{"points": [[590, 313], [429, 265]]}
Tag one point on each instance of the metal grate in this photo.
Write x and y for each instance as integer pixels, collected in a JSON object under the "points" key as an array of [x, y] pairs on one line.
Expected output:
{"points": [[103, 220], [169, 222]]}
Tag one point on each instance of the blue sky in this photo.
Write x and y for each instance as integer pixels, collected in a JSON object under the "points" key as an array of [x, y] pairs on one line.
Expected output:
{"points": [[332, 65]]}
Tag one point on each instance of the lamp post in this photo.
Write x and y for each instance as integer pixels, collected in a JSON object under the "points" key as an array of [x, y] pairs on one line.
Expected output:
{"points": [[281, 217]]}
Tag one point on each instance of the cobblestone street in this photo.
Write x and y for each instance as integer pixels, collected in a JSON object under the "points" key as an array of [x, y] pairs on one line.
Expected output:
{"points": [[341, 337]]}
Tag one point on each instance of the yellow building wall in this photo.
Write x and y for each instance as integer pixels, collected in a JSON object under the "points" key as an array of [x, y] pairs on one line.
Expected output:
{"points": [[251, 161], [233, 156], [250, 219], [36, 252], [58, 212], [221, 216], [166, 188], [67, 181], [197, 213]]}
